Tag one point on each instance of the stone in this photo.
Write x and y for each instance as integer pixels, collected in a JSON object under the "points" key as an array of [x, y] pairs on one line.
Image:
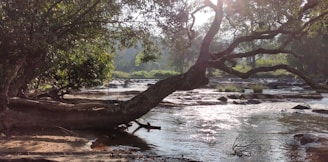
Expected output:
{"points": [[223, 99], [321, 111], [302, 107], [234, 96], [306, 138], [252, 101]]}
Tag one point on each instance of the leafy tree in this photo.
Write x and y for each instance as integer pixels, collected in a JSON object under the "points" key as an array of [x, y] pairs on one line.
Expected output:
{"points": [[35, 35], [86, 65]]}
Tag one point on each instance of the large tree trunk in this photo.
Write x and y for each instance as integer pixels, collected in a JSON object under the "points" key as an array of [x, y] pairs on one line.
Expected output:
{"points": [[33, 67], [10, 73], [27, 113]]}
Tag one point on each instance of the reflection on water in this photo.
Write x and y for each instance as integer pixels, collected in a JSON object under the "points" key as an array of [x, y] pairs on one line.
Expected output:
{"points": [[208, 133]]}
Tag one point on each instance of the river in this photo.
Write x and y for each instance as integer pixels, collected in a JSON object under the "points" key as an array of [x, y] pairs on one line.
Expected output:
{"points": [[202, 130]]}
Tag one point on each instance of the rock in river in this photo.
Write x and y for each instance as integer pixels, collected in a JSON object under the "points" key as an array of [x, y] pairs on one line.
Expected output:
{"points": [[304, 139], [321, 111], [302, 107]]}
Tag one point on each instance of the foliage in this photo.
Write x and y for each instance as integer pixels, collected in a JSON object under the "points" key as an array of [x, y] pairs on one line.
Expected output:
{"points": [[86, 65], [242, 67], [229, 88], [155, 74], [130, 59], [37, 37], [120, 75], [162, 74], [314, 49], [140, 74], [257, 88], [268, 60]]}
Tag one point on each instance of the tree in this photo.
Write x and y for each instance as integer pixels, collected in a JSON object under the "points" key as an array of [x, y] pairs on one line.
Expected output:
{"points": [[87, 65], [314, 49], [35, 35], [272, 18]]}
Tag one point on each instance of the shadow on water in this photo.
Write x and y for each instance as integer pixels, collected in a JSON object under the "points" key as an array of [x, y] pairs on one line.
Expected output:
{"points": [[119, 139]]}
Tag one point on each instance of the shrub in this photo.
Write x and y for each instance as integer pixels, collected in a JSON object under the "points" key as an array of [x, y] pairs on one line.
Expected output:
{"points": [[257, 88], [121, 75], [140, 75], [161, 74], [229, 88]]}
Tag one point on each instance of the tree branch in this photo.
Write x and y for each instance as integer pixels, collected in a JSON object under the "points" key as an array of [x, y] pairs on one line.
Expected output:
{"points": [[220, 65], [301, 31], [190, 30], [74, 22], [259, 51], [254, 36], [270, 34], [214, 29]]}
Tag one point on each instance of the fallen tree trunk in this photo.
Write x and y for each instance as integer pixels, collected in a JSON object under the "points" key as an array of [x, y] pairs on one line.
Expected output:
{"points": [[25, 113]]}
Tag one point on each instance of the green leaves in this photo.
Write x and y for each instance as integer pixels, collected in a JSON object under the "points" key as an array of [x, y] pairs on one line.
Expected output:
{"points": [[139, 57]]}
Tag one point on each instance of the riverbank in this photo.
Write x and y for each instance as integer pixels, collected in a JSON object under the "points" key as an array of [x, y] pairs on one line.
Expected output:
{"points": [[60, 144]]}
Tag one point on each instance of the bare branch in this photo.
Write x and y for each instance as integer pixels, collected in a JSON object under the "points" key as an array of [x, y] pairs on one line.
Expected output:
{"points": [[254, 36], [214, 29], [259, 51], [88, 10], [190, 30]]}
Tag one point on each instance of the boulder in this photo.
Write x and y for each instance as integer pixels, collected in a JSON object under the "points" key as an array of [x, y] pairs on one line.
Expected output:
{"points": [[248, 102], [252, 101], [302, 107], [223, 99], [234, 96], [306, 138], [321, 111], [239, 102]]}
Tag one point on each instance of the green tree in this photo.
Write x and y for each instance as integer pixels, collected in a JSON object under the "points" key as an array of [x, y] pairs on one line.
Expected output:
{"points": [[35, 35], [86, 65]]}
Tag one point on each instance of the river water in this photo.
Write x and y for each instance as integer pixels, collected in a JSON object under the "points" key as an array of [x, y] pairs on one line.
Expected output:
{"points": [[203, 129]]}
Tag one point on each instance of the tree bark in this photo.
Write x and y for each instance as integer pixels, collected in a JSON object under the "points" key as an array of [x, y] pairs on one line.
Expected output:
{"points": [[28, 113], [9, 74]]}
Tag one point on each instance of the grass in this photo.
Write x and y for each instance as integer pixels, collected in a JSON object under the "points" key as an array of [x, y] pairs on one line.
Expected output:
{"points": [[156, 74], [229, 88]]}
